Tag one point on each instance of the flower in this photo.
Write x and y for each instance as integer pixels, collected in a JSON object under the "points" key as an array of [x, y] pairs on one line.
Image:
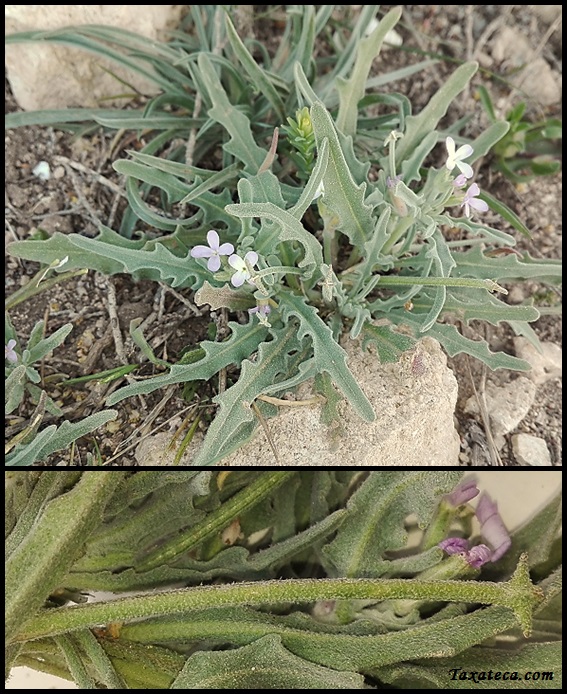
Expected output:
{"points": [[479, 555], [456, 157], [242, 274], [460, 181], [492, 527], [213, 251], [463, 492], [260, 310], [454, 545], [475, 556], [11, 354], [471, 200]]}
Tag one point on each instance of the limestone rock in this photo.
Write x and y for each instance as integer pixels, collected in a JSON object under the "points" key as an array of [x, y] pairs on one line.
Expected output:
{"points": [[48, 75], [414, 401]]}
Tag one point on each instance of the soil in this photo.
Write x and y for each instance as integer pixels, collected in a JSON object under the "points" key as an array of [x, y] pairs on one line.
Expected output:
{"points": [[77, 198]]}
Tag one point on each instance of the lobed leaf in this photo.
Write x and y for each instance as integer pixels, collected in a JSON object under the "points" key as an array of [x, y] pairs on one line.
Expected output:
{"points": [[235, 419], [243, 341], [342, 195], [328, 354]]}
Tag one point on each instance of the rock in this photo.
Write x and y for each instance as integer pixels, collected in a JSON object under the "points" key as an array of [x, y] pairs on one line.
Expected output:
{"points": [[530, 450], [507, 405], [48, 75], [535, 78], [549, 13], [414, 418], [414, 424], [161, 449], [546, 365]]}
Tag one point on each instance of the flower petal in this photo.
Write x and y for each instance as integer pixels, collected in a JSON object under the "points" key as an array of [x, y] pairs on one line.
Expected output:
{"points": [[251, 257], [463, 492], [464, 168], [492, 527], [214, 263], [201, 252], [450, 144], [226, 249], [479, 555], [454, 545], [463, 152], [237, 280], [478, 204], [213, 239], [237, 263]]}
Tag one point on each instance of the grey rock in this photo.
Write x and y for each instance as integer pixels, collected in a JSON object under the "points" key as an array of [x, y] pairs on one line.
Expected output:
{"points": [[530, 450]]}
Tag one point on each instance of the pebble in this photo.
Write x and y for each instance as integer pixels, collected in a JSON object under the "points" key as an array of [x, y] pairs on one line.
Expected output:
{"points": [[546, 365], [507, 405], [530, 450]]}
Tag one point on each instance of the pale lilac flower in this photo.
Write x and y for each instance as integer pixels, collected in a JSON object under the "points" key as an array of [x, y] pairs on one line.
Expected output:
{"points": [[479, 555], [454, 545], [260, 310], [471, 200], [492, 527], [460, 181], [463, 492], [11, 354], [456, 157], [262, 313], [242, 274], [213, 251], [391, 182]]}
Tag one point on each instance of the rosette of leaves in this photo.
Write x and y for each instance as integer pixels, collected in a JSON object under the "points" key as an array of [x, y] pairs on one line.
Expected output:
{"points": [[369, 257]]}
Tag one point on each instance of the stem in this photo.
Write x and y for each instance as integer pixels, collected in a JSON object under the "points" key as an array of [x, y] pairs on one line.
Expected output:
{"points": [[402, 225], [396, 280], [517, 594], [238, 504]]}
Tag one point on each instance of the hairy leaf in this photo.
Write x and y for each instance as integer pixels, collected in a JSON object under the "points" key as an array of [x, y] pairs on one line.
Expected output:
{"points": [[329, 356]]}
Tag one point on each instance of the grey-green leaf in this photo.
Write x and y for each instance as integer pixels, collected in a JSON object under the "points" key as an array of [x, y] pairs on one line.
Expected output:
{"points": [[264, 664]]}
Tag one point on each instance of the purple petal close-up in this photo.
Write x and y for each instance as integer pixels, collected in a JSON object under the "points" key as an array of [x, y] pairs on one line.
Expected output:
{"points": [[492, 527], [479, 555], [463, 492], [454, 545]]}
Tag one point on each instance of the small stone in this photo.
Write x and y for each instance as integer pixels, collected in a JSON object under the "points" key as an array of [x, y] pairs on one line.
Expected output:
{"points": [[516, 294], [546, 365], [507, 405], [530, 450]]}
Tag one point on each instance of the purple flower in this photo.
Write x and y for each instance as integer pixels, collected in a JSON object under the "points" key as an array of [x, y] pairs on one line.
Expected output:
{"points": [[242, 274], [460, 181], [479, 555], [463, 492], [454, 545], [261, 310], [213, 251], [492, 527], [471, 200], [10, 353], [475, 556]]}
